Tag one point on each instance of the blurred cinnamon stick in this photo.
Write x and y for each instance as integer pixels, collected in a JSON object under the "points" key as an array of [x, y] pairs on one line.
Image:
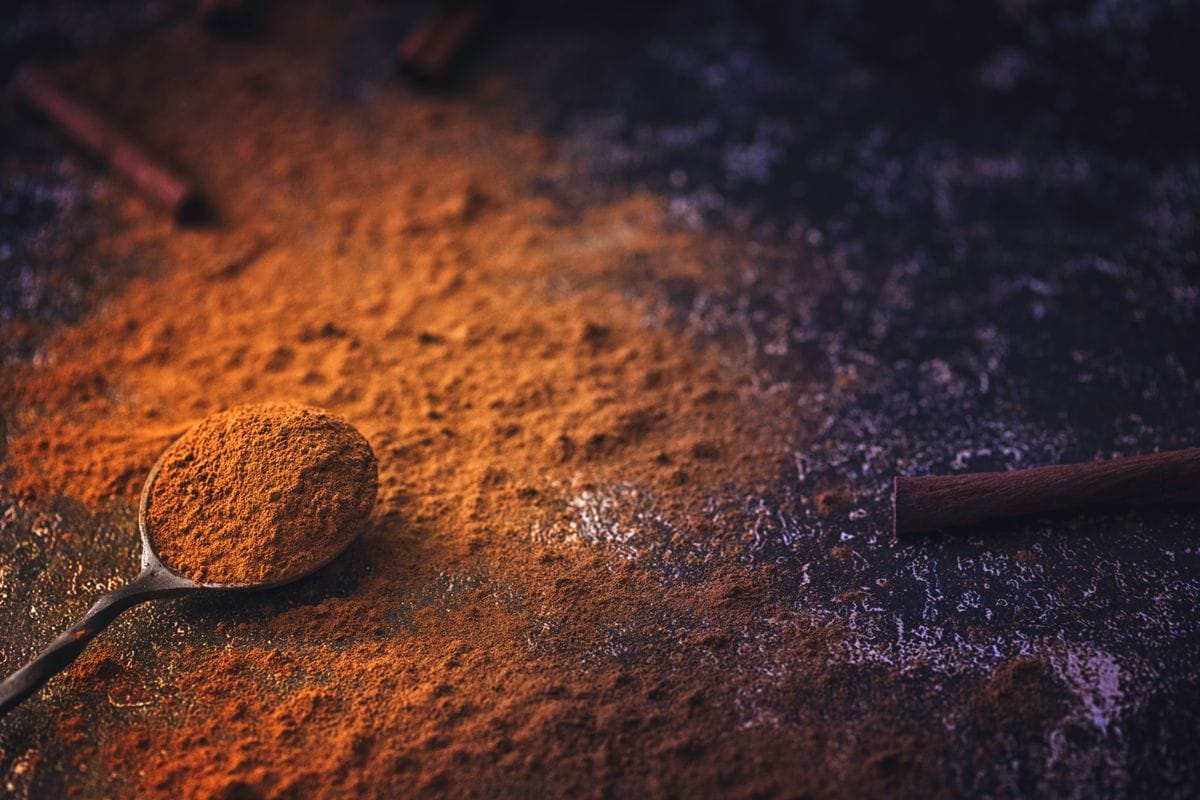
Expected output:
{"points": [[429, 49], [104, 139], [937, 502]]}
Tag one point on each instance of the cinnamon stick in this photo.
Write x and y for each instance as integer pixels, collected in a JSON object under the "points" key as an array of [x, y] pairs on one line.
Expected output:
{"points": [[104, 139], [429, 49], [939, 502]]}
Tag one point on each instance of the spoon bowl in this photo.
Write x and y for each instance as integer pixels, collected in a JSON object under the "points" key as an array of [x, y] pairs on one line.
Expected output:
{"points": [[152, 562], [155, 581]]}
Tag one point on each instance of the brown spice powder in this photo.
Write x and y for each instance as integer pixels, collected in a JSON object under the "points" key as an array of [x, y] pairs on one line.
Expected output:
{"points": [[390, 263], [502, 630], [261, 494]]}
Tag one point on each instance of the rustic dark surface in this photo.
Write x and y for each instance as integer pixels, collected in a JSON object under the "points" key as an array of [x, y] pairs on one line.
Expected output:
{"points": [[992, 210]]}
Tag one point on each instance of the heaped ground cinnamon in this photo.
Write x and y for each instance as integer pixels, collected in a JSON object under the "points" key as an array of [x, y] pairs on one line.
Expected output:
{"points": [[260, 494], [550, 599]]}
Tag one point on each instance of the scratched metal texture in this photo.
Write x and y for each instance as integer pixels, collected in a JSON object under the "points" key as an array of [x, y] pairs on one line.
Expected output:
{"points": [[990, 261]]}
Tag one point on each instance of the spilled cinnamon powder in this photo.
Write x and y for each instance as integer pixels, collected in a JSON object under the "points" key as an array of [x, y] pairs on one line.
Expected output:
{"points": [[548, 600], [552, 597], [260, 494]]}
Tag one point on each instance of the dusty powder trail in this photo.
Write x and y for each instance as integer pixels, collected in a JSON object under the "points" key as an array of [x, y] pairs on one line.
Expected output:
{"points": [[548, 599], [260, 493], [388, 262]]}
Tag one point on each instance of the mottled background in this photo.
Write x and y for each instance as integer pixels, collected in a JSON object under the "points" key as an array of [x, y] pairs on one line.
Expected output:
{"points": [[991, 211]]}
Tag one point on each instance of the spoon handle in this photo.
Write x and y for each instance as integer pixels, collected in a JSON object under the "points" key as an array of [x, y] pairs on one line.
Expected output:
{"points": [[152, 583]]}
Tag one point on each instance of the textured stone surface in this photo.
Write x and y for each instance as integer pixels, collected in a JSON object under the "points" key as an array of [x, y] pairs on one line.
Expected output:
{"points": [[974, 246]]}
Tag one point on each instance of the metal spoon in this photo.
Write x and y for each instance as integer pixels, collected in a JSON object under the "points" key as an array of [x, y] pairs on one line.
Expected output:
{"points": [[155, 581]]}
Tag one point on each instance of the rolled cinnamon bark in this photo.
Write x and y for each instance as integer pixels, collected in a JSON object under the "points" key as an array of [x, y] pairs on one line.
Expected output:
{"points": [[428, 51], [952, 501], [104, 139]]}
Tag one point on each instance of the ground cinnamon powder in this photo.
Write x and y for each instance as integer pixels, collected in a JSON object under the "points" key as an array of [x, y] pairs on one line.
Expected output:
{"points": [[260, 494], [552, 598]]}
